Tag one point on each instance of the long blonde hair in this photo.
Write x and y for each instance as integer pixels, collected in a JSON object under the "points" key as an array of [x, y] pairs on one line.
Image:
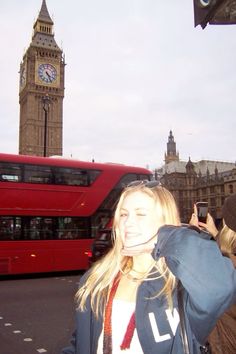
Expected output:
{"points": [[102, 274], [227, 240]]}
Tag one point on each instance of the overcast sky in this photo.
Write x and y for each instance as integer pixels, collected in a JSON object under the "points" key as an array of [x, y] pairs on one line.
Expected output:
{"points": [[135, 69]]}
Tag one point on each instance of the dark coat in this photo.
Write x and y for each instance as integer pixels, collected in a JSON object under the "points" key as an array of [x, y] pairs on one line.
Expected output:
{"points": [[209, 280], [223, 337]]}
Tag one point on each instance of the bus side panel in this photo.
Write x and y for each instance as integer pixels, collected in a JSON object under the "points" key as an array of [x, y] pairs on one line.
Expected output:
{"points": [[22, 257], [37, 200], [71, 254]]}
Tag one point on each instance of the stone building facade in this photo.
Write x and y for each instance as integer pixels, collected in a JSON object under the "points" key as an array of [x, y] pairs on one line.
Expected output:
{"points": [[210, 181]]}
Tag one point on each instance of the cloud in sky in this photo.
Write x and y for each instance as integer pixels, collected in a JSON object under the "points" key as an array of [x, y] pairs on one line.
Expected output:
{"points": [[135, 69]]}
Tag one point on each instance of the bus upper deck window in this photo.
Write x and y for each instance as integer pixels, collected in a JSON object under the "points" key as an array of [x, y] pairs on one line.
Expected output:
{"points": [[10, 172]]}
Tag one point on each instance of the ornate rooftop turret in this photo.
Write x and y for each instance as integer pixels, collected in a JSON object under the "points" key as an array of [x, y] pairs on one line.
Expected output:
{"points": [[171, 154], [190, 169], [208, 173]]}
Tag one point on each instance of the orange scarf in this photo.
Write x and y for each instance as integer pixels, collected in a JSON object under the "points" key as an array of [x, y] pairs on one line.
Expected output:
{"points": [[107, 340]]}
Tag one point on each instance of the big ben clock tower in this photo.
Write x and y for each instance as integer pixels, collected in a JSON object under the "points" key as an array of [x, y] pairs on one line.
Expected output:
{"points": [[41, 91]]}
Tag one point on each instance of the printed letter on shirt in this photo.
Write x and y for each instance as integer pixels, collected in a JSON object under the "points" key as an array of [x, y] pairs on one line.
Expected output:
{"points": [[155, 331], [173, 319]]}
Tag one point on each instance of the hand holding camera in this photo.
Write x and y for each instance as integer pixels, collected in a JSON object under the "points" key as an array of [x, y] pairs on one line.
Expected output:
{"points": [[202, 218]]}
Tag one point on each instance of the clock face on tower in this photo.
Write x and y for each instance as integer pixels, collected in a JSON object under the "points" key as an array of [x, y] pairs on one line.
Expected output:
{"points": [[47, 73]]}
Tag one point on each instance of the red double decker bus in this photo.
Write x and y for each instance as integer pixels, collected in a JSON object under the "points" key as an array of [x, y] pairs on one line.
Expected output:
{"points": [[51, 209]]}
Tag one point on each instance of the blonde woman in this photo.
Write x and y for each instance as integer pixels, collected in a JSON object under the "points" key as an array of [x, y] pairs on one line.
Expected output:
{"points": [[128, 300]]}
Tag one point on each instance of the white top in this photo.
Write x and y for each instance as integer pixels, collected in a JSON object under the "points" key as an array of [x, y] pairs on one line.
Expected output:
{"points": [[121, 314]]}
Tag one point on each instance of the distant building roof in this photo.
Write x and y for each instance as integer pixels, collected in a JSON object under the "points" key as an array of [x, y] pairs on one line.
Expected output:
{"points": [[200, 166]]}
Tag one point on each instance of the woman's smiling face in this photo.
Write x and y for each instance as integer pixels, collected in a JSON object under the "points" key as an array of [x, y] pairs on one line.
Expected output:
{"points": [[139, 220]]}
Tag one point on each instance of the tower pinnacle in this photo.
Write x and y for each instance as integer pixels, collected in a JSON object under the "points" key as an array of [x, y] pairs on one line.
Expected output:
{"points": [[171, 154], [44, 14]]}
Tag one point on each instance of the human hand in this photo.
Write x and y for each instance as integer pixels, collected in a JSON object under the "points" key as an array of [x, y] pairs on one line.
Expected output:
{"points": [[194, 218], [208, 226]]}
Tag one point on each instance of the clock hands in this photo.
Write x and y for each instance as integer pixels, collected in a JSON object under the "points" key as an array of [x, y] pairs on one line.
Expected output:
{"points": [[49, 76]]}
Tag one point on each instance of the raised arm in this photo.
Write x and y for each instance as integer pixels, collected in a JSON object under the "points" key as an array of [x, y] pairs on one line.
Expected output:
{"points": [[207, 276]]}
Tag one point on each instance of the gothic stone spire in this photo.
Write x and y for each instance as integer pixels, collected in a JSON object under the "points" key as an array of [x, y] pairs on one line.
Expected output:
{"points": [[44, 14]]}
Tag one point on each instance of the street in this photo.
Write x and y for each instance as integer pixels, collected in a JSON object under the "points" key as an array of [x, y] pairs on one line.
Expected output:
{"points": [[37, 314]]}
